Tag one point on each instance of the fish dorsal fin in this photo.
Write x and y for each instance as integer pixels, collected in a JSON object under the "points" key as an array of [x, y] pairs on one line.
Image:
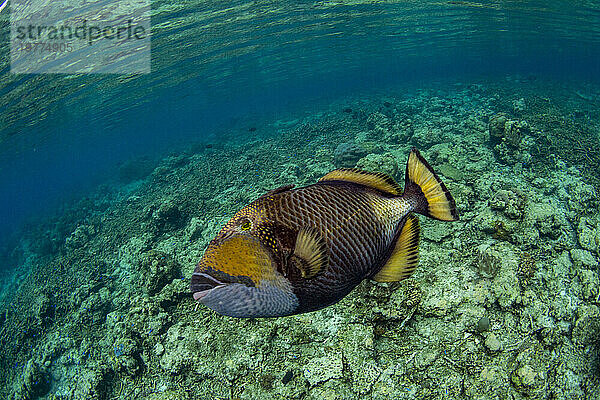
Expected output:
{"points": [[375, 180], [280, 189], [405, 257], [310, 254]]}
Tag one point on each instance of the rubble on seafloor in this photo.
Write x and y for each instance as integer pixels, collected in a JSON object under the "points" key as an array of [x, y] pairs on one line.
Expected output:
{"points": [[505, 302]]}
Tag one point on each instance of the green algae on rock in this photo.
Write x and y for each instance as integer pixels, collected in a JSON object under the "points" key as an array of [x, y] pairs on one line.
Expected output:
{"points": [[103, 317]]}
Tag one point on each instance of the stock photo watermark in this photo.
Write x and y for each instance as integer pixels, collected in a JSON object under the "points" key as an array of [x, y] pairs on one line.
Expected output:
{"points": [[74, 36]]}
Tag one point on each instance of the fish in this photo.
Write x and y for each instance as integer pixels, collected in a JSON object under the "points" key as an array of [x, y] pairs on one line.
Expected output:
{"points": [[297, 250]]}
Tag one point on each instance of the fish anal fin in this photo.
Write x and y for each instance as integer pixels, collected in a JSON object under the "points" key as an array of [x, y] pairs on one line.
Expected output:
{"points": [[375, 180], [310, 254], [405, 257]]}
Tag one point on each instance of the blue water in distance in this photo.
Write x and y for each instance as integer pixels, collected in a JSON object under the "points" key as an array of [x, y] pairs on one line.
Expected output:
{"points": [[212, 67]]}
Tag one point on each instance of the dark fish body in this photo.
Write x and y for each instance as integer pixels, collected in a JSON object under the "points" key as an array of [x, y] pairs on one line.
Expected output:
{"points": [[359, 240], [298, 250]]}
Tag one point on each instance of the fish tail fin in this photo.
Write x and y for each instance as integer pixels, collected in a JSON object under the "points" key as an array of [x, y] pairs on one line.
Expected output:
{"points": [[426, 189]]}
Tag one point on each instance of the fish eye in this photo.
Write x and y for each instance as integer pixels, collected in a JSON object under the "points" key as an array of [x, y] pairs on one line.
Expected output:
{"points": [[245, 224]]}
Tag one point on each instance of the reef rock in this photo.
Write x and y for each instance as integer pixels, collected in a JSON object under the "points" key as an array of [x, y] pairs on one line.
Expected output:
{"points": [[80, 236], [36, 381], [322, 369], [385, 163], [504, 130], [167, 217], [588, 233], [499, 262], [511, 203], [347, 154], [492, 343], [587, 326], [159, 270], [510, 139]]}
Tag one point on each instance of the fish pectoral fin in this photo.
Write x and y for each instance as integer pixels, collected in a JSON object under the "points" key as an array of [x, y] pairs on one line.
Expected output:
{"points": [[310, 254], [405, 257], [375, 180]]}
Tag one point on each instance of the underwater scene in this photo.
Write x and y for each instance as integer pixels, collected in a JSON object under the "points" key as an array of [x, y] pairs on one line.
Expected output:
{"points": [[305, 200]]}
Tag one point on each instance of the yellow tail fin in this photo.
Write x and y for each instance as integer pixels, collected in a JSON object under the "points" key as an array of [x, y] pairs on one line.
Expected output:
{"points": [[432, 197]]}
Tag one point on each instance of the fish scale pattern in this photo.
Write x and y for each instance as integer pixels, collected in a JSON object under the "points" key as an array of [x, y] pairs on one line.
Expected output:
{"points": [[359, 239]]}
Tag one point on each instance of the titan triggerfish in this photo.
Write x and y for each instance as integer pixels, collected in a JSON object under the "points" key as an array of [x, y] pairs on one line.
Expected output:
{"points": [[295, 250]]}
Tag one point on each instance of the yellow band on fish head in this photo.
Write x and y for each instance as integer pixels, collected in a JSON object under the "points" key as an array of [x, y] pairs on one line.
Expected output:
{"points": [[240, 255]]}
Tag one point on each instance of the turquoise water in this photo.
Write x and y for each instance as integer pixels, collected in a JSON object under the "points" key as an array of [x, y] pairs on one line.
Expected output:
{"points": [[111, 186], [208, 70]]}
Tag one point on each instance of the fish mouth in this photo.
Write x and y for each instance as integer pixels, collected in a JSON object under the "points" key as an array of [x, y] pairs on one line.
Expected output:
{"points": [[203, 284], [199, 295]]}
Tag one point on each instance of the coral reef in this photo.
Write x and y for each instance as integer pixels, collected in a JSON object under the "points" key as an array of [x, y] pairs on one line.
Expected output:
{"points": [[347, 154], [505, 302], [504, 130], [385, 163]]}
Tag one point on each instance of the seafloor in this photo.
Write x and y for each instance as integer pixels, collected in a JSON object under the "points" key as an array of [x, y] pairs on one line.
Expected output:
{"points": [[505, 303]]}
